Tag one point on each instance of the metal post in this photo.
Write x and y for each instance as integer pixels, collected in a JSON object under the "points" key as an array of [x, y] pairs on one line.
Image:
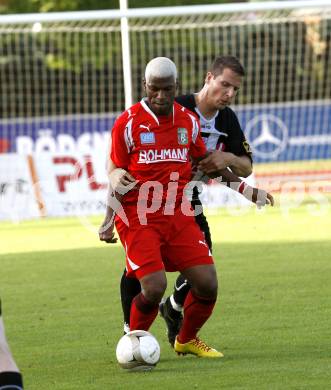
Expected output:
{"points": [[126, 58]]}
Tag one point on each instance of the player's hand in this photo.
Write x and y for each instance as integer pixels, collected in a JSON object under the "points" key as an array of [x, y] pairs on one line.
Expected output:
{"points": [[260, 197], [121, 181], [216, 161], [106, 232]]}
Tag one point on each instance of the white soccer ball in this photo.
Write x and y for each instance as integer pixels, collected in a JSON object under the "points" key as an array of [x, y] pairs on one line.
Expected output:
{"points": [[138, 351]]}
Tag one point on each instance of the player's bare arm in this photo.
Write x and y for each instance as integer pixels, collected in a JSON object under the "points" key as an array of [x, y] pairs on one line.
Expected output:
{"points": [[120, 182], [255, 195], [106, 230], [218, 160], [230, 179], [241, 165]]}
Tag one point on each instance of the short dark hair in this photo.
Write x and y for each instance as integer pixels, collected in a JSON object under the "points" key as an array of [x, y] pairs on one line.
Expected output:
{"points": [[229, 62]]}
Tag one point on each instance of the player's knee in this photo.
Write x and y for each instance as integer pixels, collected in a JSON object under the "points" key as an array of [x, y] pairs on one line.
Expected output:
{"points": [[212, 289], [154, 288], [154, 293], [207, 291], [207, 285]]}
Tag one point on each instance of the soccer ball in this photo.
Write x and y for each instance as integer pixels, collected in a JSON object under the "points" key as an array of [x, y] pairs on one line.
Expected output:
{"points": [[138, 351]]}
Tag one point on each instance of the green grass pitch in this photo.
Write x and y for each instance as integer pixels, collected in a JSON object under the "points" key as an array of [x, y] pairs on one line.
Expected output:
{"points": [[60, 292]]}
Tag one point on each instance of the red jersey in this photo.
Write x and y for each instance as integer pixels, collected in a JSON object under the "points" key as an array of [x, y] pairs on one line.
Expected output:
{"points": [[151, 147]]}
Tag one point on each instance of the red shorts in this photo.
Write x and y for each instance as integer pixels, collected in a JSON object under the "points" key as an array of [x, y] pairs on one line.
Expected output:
{"points": [[170, 242]]}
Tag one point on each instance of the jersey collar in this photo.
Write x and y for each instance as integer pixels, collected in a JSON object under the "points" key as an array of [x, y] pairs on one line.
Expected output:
{"points": [[205, 119], [200, 114], [146, 108]]}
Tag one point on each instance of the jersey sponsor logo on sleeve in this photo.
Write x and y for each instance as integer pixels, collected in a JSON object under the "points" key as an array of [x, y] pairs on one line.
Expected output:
{"points": [[182, 136], [164, 155], [147, 138]]}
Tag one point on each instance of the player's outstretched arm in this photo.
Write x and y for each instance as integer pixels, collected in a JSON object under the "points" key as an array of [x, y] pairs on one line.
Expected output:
{"points": [[255, 195], [218, 160]]}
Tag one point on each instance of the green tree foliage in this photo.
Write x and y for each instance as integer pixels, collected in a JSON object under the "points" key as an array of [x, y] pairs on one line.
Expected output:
{"points": [[66, 68], [23, 6]]}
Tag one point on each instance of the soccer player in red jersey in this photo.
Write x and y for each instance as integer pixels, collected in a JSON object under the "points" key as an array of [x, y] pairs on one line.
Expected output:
{"points": [[220, 130], [10, 377], [154, 141]]}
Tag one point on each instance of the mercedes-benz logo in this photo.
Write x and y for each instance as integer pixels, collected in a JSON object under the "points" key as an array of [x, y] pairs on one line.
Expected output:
{"points": [[267, 135]]}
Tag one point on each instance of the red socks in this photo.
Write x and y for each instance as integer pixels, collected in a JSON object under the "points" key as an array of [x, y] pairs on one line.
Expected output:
{"points": [[197, 310], [143, 313]]}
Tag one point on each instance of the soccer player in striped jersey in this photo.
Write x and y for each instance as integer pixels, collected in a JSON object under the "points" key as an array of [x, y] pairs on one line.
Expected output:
{"points": [[220, 130]]}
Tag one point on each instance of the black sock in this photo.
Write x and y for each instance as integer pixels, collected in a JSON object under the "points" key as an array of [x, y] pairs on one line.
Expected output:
{"points": [[130, 287], [201, 220], [181, 290], [11, 381]]}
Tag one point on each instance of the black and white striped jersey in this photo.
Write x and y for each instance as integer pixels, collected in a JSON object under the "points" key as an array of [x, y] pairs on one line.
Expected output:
{"points": [[222, 132]]}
